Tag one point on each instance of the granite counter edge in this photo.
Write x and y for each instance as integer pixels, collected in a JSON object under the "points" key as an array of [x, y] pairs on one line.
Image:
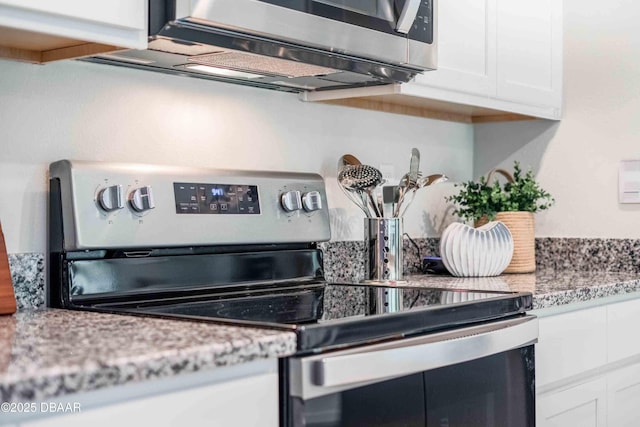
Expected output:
{"points": [[50, 384], [585, 294]]}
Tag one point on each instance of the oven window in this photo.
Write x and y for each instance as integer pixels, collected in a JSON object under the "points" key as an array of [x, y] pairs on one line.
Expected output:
{"points": [[392, 403], [494, 391]]}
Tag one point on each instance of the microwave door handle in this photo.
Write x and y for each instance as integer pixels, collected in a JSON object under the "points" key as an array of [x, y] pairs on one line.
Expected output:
{"points": [[408, 16], [371, 366]]}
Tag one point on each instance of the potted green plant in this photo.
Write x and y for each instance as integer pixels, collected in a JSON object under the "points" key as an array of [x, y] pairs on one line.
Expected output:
{"points": [[512, 203]]}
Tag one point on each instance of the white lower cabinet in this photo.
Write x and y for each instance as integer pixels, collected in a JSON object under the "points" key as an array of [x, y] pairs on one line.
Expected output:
{"points": [[623, 397], [571, 343], [579, 406], [623, 339], [588, 367], [246, 402]]}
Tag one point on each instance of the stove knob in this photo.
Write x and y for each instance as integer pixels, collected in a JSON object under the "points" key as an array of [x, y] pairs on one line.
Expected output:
{"points": [[141, 199], [291, 201], [110, 198], [312, 201]]}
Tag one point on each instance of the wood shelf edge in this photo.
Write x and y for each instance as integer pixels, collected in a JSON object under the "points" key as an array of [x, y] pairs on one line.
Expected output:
{"points": [[394, 108], [23, 55], [78, 51], [425, 112], [501, 117], [41, 57]]}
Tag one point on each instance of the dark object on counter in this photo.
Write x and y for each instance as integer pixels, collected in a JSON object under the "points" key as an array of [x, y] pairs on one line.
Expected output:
{"points": [[434, 265], [7, 297]]}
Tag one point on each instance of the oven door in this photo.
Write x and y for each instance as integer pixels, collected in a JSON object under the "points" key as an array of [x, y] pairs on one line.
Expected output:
{"points": [[480, 376], [399, 32]]}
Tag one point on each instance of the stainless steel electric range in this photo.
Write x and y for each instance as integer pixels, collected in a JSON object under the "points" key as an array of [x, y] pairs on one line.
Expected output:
{"points": [[241, 247]]}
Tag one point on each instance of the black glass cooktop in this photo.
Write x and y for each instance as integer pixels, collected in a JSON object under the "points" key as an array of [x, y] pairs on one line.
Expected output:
{"points": [[333, 315], [281, 288]]}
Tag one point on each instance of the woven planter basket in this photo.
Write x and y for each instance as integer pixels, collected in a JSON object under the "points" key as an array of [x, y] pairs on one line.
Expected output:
{"points": [[521, 226]]}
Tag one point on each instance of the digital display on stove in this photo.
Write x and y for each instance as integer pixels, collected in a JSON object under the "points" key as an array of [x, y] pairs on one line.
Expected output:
{"points": [[216, 199]]}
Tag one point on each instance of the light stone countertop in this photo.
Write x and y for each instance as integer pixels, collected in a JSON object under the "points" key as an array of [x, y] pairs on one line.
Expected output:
{"points": [[50, 353], [550, 288]]}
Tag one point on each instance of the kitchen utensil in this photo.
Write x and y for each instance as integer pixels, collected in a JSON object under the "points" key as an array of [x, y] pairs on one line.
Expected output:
{"points": [[409, 180], [390, 196], [432, 179], [423, 182], [362, 180], [349, 160], [403, 188], [7, 297], [380, 205], [414, 165]]}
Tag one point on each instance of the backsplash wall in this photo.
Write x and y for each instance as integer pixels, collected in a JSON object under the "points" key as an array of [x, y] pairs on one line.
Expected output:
{"points": [[86, 111]]}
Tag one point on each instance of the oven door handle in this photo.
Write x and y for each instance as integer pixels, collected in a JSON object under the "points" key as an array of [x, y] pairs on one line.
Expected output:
{"points": [[404, 357]]}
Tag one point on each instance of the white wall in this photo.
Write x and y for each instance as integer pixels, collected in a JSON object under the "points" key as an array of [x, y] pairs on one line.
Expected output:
{"points": [[87, 111], [577, 159]]}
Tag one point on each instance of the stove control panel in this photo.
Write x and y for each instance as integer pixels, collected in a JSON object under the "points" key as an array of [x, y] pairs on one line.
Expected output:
{"points": [[117, 205], [216, 199]]}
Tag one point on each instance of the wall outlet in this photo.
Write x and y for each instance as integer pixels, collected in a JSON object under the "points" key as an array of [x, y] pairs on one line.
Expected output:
{"points": [[629, 181]]}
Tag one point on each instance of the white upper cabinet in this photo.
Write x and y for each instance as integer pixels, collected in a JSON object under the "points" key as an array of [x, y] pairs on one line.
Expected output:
{"points": [[497, 60], [43, 31], [505, 54], [466, 30], [529, 53]]}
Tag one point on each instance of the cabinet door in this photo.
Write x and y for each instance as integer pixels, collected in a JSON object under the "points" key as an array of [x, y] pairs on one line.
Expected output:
{"points": [[623, 397], [466, 48], [580, 406], [571, 343], [529, 52], [246, 402], [622, 319]]}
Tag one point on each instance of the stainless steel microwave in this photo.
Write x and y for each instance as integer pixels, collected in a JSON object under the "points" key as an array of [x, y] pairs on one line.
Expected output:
{"points": [[292, 45]]}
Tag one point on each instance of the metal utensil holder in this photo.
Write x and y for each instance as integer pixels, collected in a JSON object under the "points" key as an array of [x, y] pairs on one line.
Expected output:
{"points": [[383, 249]]}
